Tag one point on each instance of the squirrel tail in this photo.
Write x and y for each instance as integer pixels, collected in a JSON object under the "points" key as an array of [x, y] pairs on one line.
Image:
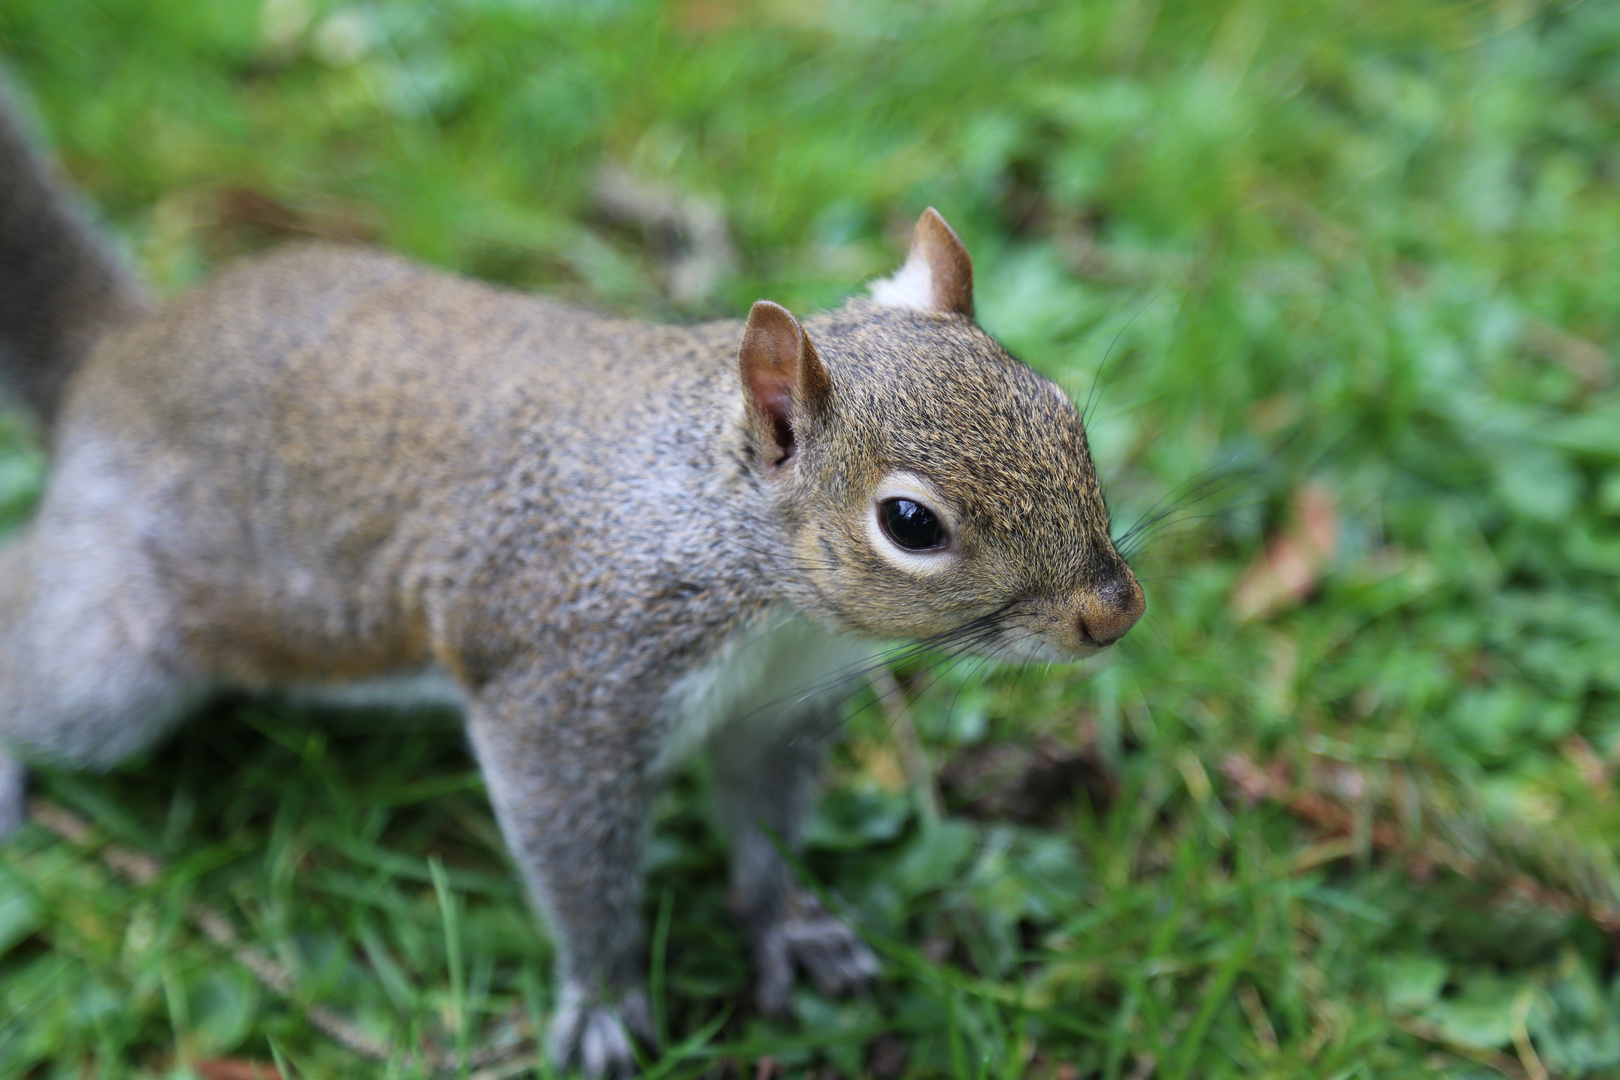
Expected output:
{"points": [[60, 286]]}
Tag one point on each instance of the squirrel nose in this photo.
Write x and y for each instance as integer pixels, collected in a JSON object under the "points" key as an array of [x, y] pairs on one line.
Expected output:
{"points": [[1108, 611]]}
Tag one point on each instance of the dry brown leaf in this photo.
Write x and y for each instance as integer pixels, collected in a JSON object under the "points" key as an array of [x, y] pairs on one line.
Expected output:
{"points": [[1594, 771], [710, 16], [1337, 817], [235, 1069], [248, 209], [1294, 560], [1588, 362]]}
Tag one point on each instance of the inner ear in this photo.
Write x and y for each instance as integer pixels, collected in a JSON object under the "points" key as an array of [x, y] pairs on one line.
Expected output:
{"points": [[938, 274], [784, 382]]}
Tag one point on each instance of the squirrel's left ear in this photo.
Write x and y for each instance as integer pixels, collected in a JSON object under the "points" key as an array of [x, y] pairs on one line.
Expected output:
{"points": [[785, 384], [938, 275]]}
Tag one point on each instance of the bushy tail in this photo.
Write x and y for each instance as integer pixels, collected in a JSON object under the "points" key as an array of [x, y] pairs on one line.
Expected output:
{"points": [[60, 288]]}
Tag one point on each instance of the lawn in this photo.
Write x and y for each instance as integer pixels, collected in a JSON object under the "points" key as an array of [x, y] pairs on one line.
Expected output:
{"points": [[1338, 284]]}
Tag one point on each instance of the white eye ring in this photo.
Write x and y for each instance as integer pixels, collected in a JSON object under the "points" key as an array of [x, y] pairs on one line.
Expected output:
{"points": [[910, 486]]}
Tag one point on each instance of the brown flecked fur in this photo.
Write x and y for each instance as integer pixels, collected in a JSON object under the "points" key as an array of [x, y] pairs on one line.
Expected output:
{"points": [[331, 465]]}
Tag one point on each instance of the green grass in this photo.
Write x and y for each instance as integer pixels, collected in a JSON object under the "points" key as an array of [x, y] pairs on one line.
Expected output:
{"points": [[1372, 247]]}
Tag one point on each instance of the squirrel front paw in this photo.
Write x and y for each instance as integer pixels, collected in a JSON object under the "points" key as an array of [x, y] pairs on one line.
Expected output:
{"points": [[833, 955], [597, 1036]]}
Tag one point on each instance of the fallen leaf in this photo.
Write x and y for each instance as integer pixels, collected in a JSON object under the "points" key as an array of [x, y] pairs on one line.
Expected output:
{"points": [[1588, 362], [234, 1069], [1294, 560], [241, 209], [709, 16]]}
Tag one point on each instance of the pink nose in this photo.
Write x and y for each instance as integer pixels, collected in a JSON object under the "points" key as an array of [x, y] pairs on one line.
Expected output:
{"points": [[1106, 613]]}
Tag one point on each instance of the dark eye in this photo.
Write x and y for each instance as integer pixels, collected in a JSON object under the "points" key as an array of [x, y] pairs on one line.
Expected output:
{"points": [[911, 524]]}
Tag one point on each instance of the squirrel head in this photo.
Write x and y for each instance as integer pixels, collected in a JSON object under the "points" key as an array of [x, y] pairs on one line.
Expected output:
{"points": [[929, 484]]}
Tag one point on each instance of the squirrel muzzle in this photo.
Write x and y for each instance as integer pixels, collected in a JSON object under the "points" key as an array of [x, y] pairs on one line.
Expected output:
{"points": [[1108, 611]]}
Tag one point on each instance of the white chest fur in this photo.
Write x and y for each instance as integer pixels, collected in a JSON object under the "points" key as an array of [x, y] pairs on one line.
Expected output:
{"points": [[774, 671]]}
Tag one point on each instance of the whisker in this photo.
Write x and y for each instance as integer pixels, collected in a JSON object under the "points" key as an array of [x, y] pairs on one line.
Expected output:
{"points": [[1085, 413], [936, 672], [976, 666], [964, 640], [818, 687], [1138, 542], [1194, 488], [1207, 485]]}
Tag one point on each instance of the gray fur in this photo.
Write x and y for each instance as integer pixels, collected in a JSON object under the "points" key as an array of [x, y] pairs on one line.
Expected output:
{"points": [[13, 793], [62, 288], [331, 466]]}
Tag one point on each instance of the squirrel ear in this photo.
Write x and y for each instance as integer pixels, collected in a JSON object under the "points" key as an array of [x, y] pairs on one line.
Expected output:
{"points": [[784, 380], [938, 275]]}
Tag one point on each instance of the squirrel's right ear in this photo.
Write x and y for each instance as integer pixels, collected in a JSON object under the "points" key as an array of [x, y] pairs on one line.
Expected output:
{"points": [[784, 381], [938, 275]]}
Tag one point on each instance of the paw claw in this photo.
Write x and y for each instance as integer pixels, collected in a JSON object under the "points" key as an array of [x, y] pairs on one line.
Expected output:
{"points": [[599, 1036], [833, 955]]}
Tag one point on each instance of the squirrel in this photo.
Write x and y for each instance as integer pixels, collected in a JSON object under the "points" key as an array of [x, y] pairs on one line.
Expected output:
{"points": [[607, 540]]}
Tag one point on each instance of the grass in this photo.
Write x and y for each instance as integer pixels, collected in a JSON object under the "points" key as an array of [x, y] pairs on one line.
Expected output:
{"points": [[1364, 251]]}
